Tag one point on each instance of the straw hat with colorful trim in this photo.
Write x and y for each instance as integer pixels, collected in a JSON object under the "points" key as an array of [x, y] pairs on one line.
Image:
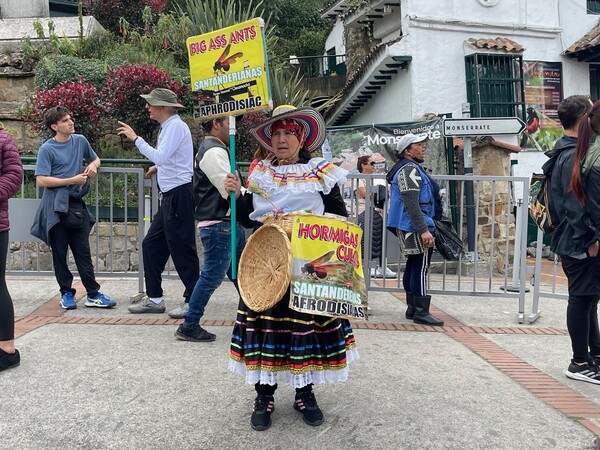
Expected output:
{"points": [[312, 122]]}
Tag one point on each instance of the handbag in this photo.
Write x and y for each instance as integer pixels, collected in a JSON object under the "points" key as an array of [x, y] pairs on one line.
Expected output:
{"points": [[75, 216], [447, 240]]}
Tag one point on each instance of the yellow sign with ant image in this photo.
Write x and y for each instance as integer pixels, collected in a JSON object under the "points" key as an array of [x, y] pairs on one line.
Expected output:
{"points": [[229, 70], [327, 275]]}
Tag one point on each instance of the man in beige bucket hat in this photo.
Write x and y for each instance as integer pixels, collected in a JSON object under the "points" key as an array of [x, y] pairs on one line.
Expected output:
{"points": [[172, 232], [162, 97]]}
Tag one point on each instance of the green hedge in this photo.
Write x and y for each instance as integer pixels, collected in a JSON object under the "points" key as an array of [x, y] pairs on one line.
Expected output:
{"points": [[53, 70]]}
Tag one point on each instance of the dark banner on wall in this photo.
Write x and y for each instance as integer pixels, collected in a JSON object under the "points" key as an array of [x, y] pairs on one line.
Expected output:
{"points": [[543, 93], [344, 145]]}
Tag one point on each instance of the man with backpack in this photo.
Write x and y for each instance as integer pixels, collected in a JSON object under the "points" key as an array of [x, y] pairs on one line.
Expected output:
{"points": [[569, 240]]}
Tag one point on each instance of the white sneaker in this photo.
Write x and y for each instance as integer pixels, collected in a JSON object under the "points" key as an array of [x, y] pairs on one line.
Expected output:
{"points": [[180, 311], [388, 273], [377, 273]]}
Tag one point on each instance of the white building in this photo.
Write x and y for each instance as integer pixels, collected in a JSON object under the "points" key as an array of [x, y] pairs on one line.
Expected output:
{"points": [[438, 55]]}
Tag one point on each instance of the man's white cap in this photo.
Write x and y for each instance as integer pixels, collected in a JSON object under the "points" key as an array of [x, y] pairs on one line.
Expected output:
{"points": [[408, 139]]}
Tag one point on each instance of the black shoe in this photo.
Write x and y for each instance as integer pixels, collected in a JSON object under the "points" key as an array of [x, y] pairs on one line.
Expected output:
{"points": [[9, 360], [422, 315], [306, 403], [410, 306], [194, 334], [587, 372], [261, 416]]}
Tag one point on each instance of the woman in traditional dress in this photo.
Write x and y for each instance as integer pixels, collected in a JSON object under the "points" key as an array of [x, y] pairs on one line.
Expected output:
{"points": [[280, 345]]}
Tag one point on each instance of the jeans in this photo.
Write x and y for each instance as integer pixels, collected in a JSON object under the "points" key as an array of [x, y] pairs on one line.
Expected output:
{"points": [[216, 263]]}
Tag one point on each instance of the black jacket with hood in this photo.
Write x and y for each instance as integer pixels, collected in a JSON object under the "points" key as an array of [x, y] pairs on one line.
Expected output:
{"points": [[575, 231]]}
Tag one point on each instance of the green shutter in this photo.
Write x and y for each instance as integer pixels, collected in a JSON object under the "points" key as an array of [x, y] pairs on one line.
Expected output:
{"points": [[495, 85], [593, 6]]}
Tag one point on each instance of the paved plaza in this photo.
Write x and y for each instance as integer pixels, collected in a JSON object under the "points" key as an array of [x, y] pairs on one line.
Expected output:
{"points": [[106, 379]]}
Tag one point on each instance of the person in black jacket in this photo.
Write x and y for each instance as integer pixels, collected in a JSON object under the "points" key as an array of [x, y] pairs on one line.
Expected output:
{"points": [[575, 237]]}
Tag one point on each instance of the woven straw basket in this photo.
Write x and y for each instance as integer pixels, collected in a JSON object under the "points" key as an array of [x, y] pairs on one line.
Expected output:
{"points": [[265, 268]]}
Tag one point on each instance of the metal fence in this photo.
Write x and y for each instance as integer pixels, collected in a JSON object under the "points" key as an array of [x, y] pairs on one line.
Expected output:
{"points": [[122, 201], [545, 284], [494, 263]]}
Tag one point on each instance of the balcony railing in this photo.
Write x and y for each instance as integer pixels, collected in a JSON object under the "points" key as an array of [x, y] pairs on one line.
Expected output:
{"points": [[319, 66]]}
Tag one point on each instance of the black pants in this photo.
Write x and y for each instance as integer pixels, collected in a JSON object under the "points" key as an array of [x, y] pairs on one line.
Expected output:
{"points": [[582, 309], [414, 279], [7, 312], [77, 239], [172, 233]]}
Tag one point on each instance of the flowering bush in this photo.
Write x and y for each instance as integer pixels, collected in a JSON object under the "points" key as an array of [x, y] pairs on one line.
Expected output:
{"points": [[124, 86], [87, 109], [109, 12]]}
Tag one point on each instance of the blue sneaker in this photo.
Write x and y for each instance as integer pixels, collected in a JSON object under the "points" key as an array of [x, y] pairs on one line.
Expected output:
{"points": [[67, 301], [100, 301]]}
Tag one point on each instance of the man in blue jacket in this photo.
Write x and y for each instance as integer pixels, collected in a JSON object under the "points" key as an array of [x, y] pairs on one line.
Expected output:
{"points": [[414, 203]]}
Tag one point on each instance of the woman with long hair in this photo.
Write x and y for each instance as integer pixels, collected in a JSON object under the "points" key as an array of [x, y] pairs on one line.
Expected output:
{"points": [[575, 183]]}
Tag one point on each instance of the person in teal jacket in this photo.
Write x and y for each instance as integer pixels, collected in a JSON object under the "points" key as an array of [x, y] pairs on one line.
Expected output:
{"points": [[414, 203]]}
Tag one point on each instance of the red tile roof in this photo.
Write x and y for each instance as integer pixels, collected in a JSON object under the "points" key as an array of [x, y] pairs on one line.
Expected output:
{"points": [[499, 43], [591, 39]]}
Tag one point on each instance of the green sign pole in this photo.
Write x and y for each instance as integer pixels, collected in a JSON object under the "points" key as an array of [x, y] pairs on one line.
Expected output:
{"points": [[232, 195]]}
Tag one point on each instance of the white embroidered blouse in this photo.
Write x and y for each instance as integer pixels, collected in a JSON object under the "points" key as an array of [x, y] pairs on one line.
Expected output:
{"points": [[292, 187]]}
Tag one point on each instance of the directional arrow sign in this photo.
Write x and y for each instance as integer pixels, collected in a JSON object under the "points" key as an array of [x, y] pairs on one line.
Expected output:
{"points": [[480, 126]]}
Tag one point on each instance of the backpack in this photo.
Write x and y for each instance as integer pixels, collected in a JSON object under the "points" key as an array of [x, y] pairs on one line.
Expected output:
{"points": [[542, 209]]}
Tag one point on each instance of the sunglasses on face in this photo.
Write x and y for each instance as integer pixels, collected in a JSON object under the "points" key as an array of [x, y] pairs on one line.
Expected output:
{"points": [[372, 163]]}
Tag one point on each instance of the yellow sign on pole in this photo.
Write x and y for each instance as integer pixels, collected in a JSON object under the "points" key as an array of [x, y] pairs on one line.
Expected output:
{"points": [[229, 70], [327, 276]]}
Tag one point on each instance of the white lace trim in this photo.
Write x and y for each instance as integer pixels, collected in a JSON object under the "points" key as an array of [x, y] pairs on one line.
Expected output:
{"points": [[296, 381], [297, 178]]}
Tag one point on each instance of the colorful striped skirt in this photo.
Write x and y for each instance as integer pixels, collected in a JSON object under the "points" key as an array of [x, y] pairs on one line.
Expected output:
{"points": [[283, 346]]}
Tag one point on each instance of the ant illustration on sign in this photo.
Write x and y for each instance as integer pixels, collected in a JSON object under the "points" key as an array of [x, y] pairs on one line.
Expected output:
{"points": [[320, 268], [223, 64]]}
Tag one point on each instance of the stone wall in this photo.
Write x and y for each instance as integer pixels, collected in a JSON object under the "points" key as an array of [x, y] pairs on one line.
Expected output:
{"points": [[108, 244], [16, 83], [495, 206]]}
